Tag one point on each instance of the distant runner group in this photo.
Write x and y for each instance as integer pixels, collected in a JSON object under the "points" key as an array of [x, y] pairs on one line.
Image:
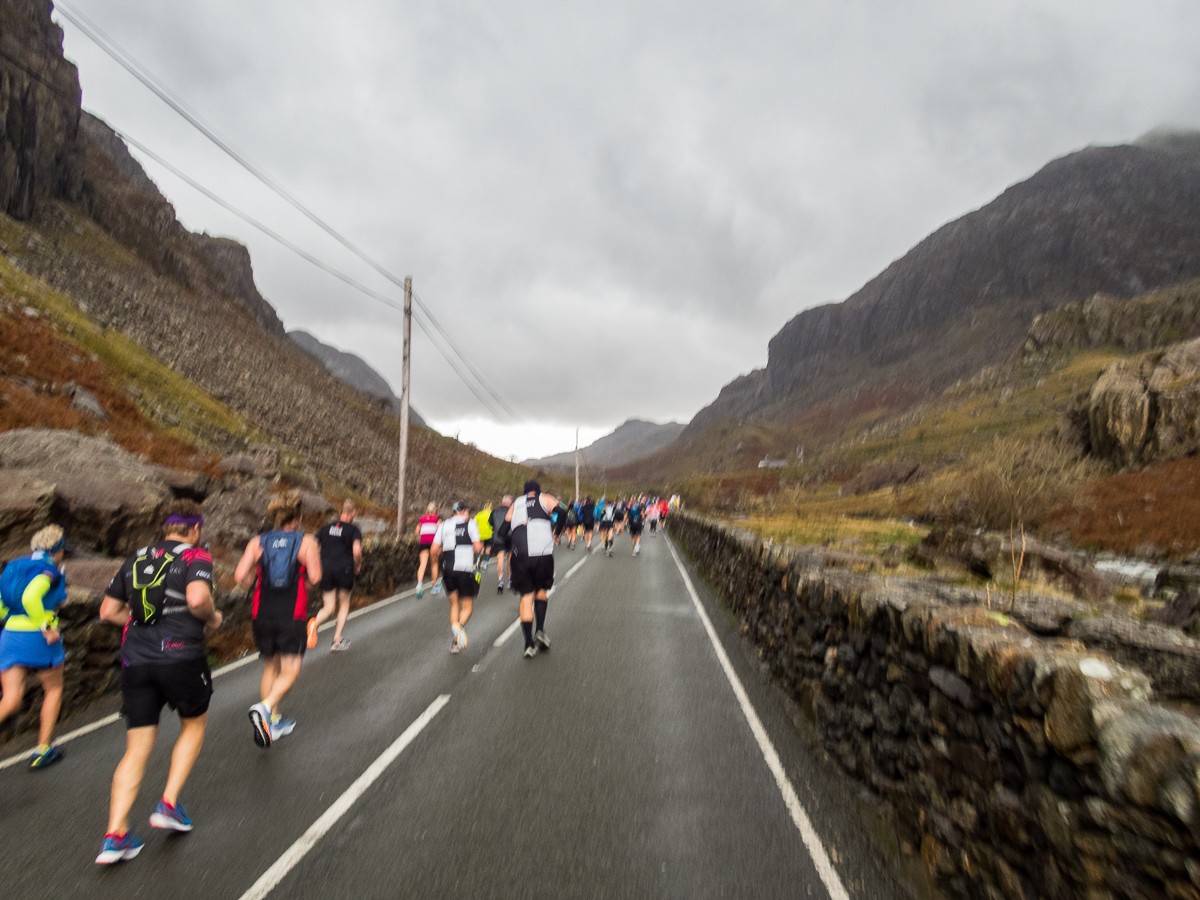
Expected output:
{"points": [[162, 599]]}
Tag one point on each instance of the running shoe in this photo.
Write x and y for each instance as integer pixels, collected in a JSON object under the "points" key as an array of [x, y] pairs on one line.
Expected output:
{"points": [[454, 648], [338, 646], [260, 718], [47, 757], [420, 590], [462, 637], [541, 642], [499, 587], [530, 652], [172, 818], [312, 633], [118, 847], [281, 728], [459, 637], [437, 586]]}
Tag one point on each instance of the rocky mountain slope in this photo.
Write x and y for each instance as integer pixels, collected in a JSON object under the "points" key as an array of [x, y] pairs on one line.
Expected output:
{"points": [[354, 371], [84, 225], [1118, 220], [630, 441]]}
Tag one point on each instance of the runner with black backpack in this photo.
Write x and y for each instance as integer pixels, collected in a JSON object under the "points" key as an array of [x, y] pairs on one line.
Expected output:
{"points": [[279, 563], [162, 598]]}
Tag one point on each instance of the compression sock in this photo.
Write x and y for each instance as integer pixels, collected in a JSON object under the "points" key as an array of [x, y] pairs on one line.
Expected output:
{"points": [[539, 613], [527, 627]]}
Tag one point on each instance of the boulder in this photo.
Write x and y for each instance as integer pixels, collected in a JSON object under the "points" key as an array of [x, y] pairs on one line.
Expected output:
{"points": [[234, 516], [1170, 659], [25, 503], [313, 504], [1119, 413], [90, 575], [185, 484], [104, 497]]}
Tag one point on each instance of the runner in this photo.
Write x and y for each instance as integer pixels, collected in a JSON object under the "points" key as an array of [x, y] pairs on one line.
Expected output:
{"points": [[427, 529], [532, 562], [587, 518], [652, 511], [636, 518], [31, 588], [572, 523], [501, 544], [459, 538], [607, 520], [162, 598], [278, 563], [483, 519], [341, 560], [558, 522]]}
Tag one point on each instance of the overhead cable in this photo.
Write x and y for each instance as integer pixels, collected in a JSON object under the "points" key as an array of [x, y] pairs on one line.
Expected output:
{"points": [[94, 33]]}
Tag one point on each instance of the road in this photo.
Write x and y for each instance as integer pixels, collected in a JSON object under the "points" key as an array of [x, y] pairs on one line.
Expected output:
{"points": [[621, 764]]}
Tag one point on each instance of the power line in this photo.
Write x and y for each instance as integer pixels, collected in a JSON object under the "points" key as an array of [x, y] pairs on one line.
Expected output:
{"points": [[308, 257], [126, 60]]}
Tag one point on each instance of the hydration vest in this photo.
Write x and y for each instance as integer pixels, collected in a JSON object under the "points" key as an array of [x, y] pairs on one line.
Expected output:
{"points": [[149, 584], [280, 563]]}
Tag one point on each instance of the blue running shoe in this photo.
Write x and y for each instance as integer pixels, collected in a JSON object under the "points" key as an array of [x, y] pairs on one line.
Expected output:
{"points": [[172, 818], [420, 590], [47, 758], [281, 727], [118, 847], [437, 586]]}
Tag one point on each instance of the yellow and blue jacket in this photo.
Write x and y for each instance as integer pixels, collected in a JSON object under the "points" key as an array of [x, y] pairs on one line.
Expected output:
{"points": [[31, 589]]}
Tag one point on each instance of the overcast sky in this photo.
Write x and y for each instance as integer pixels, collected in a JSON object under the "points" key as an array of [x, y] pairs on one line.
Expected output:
{"points": [[614, 206]]}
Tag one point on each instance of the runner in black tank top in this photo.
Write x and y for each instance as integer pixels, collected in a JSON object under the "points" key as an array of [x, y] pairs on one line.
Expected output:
{"points": [[533, 561]]}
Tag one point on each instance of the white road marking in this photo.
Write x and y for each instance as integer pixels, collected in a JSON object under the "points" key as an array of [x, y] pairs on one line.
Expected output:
{"points": [[816, 849], [512, 629], [341, 806], [217, 673]]}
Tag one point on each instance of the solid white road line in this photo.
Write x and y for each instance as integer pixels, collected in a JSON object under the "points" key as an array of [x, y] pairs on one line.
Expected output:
{"points": [[217, 673], [512, 629], [341, 806], [816, 849]]}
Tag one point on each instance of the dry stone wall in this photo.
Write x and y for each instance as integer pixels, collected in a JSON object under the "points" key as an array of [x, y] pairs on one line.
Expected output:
{"points": [[1017, 765]]}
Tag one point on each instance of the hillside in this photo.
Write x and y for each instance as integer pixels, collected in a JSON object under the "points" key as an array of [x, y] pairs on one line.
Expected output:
{"points": [[354, 371], [630, 441], [85, 228], [1115, 220]]}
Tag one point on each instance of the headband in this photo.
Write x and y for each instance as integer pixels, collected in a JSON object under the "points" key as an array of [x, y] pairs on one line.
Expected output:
{"points": [[184, 520], [61, 545]]}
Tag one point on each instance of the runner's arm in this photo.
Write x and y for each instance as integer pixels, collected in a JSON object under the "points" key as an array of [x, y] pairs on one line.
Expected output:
{"points": [[357, 550], [245, 566], [201, 605], [311, 553], [552, 501], [114, 610]]}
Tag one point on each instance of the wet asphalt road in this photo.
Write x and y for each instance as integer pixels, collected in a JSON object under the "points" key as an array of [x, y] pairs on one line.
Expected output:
{"points": [[618, 765]]}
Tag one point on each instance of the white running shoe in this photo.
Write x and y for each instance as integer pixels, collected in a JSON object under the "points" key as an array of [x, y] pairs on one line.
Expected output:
{"points": [[260, 718], [541, 641]]}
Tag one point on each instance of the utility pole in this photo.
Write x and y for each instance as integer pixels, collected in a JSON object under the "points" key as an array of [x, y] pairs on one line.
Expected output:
{"points": [[404, 389], [576, 465]]}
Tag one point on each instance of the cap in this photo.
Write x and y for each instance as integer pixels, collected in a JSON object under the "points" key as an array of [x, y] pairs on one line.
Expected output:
{"points": [[458, 506]]}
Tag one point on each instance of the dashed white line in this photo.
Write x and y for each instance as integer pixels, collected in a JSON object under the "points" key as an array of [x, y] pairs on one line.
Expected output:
{"points": [[341, 806], [808, 834]]}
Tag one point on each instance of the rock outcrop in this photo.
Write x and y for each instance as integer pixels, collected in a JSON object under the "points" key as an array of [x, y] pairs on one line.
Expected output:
{"points": [[1142, 410]]}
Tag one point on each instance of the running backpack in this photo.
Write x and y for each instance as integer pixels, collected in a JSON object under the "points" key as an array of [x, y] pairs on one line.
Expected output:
{"points": [[149, 584], [280, 555], [635, 515]]}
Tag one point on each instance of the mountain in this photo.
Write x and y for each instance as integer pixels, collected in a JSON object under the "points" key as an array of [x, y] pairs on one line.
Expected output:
{"points": [[83, 228], [630, 441], [1117, 220], [354, 371]]}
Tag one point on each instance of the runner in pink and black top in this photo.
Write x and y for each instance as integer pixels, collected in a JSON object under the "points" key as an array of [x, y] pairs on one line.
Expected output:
{"points": [[427, 529]]}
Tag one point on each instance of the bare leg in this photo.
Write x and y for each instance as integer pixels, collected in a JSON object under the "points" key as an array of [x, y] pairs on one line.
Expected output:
{"points": [[526, 607], [270, 673], [465, 607], [288, 671], [454, 609], [328, 604], [343, 608], [128, 776], [500, 557], [52, 689], [183, 757], [13, 683], [424, 557]]}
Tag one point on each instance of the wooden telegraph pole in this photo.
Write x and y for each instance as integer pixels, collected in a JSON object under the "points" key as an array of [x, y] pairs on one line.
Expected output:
{"points": [[404, 388]]}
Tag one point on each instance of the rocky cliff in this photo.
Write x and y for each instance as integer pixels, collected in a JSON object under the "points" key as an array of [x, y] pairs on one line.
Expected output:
{"points": [[1118, 220]]}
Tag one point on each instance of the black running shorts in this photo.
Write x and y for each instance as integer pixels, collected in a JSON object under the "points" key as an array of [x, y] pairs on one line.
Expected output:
{"points": [[287, 637], [337, 579], [635, 529], [532, 573], [463, 583], [185, 686]]}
